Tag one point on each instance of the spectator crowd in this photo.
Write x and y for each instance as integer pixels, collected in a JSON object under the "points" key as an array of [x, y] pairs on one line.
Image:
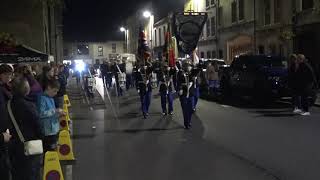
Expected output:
{"points": [[35, 95]]}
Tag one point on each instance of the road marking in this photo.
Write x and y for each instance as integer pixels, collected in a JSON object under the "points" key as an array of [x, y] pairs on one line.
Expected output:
{"points": [[226, 106]]}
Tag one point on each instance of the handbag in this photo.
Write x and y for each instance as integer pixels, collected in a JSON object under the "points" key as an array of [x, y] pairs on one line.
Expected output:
{"points": [[33, 147]]}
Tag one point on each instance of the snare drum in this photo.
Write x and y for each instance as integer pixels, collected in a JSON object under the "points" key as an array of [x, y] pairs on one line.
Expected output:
{"points": [[122, 80], [154, 83]]}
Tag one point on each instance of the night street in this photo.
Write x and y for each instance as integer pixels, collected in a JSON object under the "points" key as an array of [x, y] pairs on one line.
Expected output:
{"points": [[159, 90], [227, 142]]}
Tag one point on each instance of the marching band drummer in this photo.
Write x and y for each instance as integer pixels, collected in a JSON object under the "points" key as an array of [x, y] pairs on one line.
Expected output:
{"points": [[144, 88], [186, 92], [166, 89]]}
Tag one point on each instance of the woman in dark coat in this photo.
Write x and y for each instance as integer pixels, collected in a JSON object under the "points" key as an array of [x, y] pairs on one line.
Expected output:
{"points": [[5, 136], [27, 117]]}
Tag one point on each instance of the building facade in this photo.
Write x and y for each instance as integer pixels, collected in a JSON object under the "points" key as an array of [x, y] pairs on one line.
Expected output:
{"points": [[160, 30], [93, 52], [135, 23], [37, 24], [306, 28], [208, 42]]}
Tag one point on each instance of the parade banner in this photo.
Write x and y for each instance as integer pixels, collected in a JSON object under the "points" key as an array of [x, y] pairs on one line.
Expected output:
{"points": [[188, 27]]}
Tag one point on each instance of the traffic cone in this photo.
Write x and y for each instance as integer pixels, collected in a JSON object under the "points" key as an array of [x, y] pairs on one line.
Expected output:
{"points": [[66, 100], [65, 147], [65, 110], [52, 167], [64, 123]]}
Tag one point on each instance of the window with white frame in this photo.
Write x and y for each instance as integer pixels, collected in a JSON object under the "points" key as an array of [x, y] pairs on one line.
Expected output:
{"points": [[207, 3], [100, 51], [213, 26], [267, 14], [277, 11], [241, 9], [233, 11], [208, 28], [114, 48]]}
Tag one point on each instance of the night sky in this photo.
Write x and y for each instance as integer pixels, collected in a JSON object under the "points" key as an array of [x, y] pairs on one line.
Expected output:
{"points": [[99, 20]]}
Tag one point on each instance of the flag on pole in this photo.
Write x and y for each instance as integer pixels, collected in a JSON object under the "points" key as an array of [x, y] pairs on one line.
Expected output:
{"points": [[195, 57], [144, 52], [170, 50]]}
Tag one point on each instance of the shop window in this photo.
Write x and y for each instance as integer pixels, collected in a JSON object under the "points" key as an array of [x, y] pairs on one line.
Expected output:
{"points": [[202, 55], [307, 4], [241, 9], [234, 11], [267, 18]]}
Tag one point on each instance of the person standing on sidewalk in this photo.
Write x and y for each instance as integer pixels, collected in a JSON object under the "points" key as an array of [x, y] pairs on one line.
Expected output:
{"points": [[49, 116], [26, 114], [58, 100], [212, 76], [293, 84], [5, 137], [305, 83]]}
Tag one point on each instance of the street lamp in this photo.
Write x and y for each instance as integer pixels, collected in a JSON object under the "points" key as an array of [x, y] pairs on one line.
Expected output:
{"points": [[122, 29], [147, 14]]}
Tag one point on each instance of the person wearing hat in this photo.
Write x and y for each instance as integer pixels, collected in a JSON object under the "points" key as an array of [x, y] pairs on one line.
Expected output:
{"points": [[186, 92], [166, 89], [119, 74], [144, 87]]}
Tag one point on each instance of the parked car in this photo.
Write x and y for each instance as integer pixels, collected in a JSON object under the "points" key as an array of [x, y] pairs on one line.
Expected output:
{"points": [[259, 76]]}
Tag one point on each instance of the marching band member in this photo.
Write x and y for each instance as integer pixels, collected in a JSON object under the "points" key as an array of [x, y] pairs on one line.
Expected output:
{"points": [[166, 89], [186, 92], [120, 76], [196, 85], [144, 88]]}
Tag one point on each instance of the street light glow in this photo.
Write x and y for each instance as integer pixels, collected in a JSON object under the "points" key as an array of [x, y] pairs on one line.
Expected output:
{"points": [[122, 29], [147, 14]]}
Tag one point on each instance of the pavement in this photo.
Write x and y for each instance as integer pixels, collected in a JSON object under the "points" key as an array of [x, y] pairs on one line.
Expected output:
{"points": [[231, 141]]}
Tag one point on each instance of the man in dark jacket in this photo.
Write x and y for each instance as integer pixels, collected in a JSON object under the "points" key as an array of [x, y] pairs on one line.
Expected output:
{"points": [[104, 73], [5, 136], [305, 83], [186, 92], [63, 87], [166, 89]]}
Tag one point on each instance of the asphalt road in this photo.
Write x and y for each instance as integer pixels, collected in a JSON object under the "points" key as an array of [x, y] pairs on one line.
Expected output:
{"points": [[233, 141]]}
